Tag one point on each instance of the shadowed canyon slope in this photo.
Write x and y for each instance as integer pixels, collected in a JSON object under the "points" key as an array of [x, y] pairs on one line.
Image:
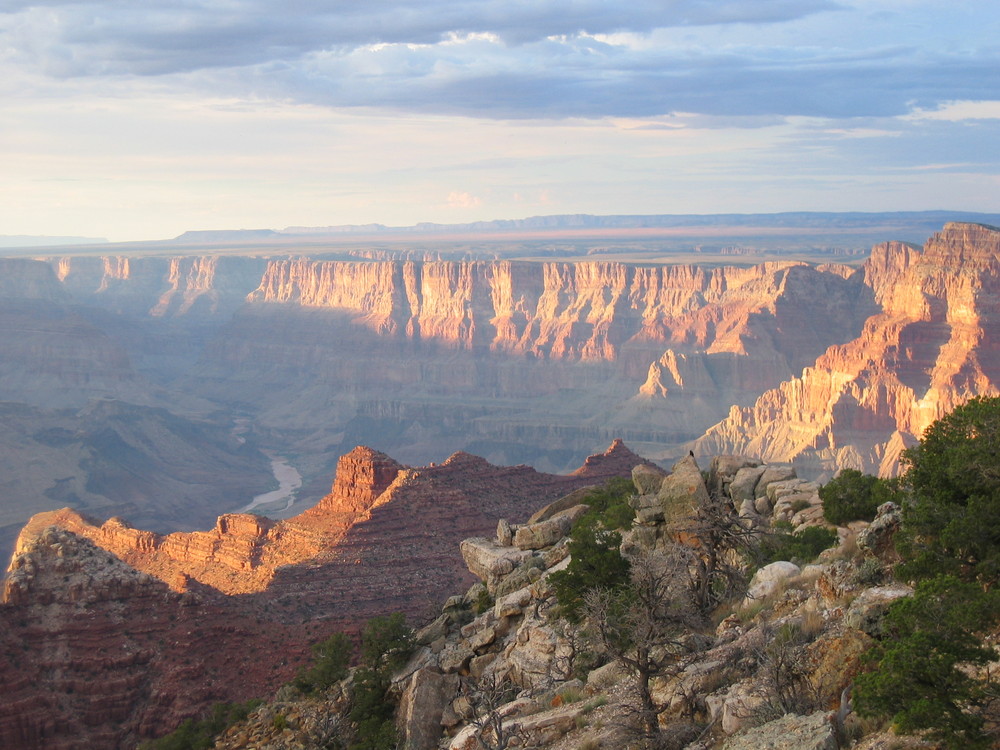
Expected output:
{"points": [[515, 360], [935, 344], [539, 362], [105, 628]]}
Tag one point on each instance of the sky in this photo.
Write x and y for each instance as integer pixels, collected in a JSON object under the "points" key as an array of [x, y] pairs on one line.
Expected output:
{"points": [[133, 121]]}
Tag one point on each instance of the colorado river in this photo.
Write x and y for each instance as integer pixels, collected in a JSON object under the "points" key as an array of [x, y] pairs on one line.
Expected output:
{"points": [[289, 480]]}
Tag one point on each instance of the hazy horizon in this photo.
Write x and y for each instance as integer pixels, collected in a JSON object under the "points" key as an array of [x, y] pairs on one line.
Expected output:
{"points": [[131, 123]]}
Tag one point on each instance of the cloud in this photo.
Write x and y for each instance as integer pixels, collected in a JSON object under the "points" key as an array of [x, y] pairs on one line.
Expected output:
{"points": [[526, 60], [462, 200], [960, 111], [163, 36]]}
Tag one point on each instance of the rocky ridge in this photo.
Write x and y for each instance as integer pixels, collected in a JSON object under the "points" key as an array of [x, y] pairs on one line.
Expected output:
{"points": [[94, 650], [933, 346], [248, 595], [832, 607]]}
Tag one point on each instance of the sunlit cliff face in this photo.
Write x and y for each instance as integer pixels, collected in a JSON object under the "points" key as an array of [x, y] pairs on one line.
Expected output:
{"points": [[935, 345]]}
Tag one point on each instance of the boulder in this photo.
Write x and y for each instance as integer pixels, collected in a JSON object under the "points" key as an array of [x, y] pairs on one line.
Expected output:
{"points": [[768, 579], [421, 707], [577, 497], [542, 729], [790, 732], [723, 469], [488, 561], [683, 492], [774, 473], [835, 659], [513, 603], [542, 534], [648, 509], [455, 658], [606, 677], [647, 478], [734, 708], [868, 609], [505, 534], [435, 630], [877, 538], [775, 491], [538, 655], [744, 483]]}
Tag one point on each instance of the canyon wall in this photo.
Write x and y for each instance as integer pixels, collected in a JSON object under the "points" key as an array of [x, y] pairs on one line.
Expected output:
{"points": [[517, 359], [109, 634], [934, 345]]}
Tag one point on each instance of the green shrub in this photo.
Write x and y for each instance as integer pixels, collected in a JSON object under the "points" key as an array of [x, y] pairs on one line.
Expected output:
{"points": [[483, 601], [918, 674], [332, 658], [801, 547], [923, 673], [853, 496], [609, 504], [951, 521], [596, 562], [386, 644]]}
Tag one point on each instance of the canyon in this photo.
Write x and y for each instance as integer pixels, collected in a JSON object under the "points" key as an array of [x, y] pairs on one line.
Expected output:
{"points": [[111, 633], [145, 396], [122, 370], [934, 345]]}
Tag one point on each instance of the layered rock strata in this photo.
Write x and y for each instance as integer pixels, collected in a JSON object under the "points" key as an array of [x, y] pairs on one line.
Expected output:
{"points": [[517, 350], [935, 344], [146, 616], [94, 653], [451, 691]]}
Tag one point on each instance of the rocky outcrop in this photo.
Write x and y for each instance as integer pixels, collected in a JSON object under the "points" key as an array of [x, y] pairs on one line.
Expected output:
{"points": [[791, 732], [774, 676], [94, 653], [382, 541], [930, 349], [362, 476], [378, 513]]}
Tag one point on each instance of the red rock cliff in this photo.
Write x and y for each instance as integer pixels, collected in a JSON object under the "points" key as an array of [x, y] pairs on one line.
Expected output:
{"points": [[109, 634], [935, 345]]}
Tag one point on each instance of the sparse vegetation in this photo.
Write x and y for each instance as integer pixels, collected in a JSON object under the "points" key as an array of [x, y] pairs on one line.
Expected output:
{"points": [[722, 540], [332, 658], [929, 673], [596, 562], [386, 643], [483, 601], [609, 504], [802, 546], [642, 624], [201, 734]]}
